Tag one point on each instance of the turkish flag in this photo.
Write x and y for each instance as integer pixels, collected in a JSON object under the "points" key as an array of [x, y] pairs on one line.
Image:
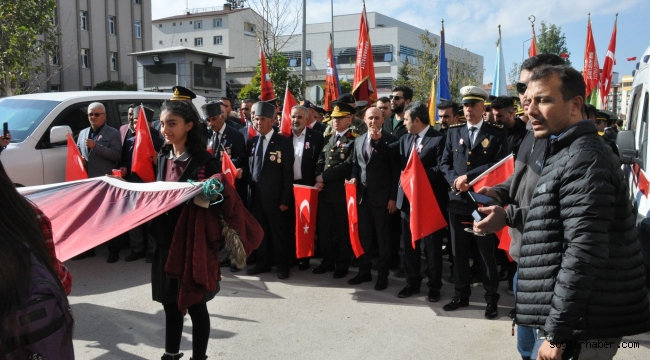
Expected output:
{"points": [[228, 168], [426, 217], [504, 241], [266, 85], [632, 58], [365, 84], [143, 150], [289, 103], [251, 132], [644, 184], [495, 175], [74, 165], [353, 219], [533, 45], [608, 66], [332, 85], [306, 206]]}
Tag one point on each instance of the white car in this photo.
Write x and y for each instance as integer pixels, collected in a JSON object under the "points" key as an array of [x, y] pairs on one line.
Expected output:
{"points": [[39, 124]]}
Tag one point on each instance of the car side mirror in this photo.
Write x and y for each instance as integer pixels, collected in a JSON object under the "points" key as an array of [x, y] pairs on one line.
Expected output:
{"points": [[625, 142], [59, 134]]}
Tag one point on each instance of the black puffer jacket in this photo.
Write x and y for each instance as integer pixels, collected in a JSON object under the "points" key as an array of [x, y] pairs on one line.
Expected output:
{"points": [[581, 271]]}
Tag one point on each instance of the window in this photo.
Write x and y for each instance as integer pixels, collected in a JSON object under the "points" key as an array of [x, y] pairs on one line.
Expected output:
{"points": [[218, 40], [198, 24], [123, 108], [388, 57], [111, 25], [54, 88], [85, 58], [113, 61], [218, 22], [159, 26], [137, 29], [160, 75], [207, 76], [249, 29], [198, 41], [173, 24], [83, 20], [54, 57], [294, 62], [136, 1]]}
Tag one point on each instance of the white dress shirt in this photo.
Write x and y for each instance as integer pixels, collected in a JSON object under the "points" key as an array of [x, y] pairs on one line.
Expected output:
{"points": [[298, 148], [472, 137]]}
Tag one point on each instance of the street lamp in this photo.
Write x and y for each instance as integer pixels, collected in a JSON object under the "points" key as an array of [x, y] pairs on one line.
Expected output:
{"points": [[523, 48]]}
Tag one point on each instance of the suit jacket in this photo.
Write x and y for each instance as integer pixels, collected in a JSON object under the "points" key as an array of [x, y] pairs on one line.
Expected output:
{"points": [[124, 132], [310, 153], [460, 158], [107, 152], [377, 177], [234, 144], [244, 131], [320, 127], [335, 165], [398, 131], [276, 178]]}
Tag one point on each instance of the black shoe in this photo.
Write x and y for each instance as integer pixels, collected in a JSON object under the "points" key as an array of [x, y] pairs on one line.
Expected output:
{"points": [[408, 291], [491, 311], [340, 274], [172, 357], [360, 278], [113, 257], [322, 269], [133, 256], [234, 268], [256, 271], [303, 265], [456, 303], [85, 254], [434, 295], [401, 273], [149, 258], [283, 275], [382, 284]]}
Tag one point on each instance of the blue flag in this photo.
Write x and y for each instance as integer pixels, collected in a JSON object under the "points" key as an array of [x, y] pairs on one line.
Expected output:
{"points": [[499, 83], [443, 74]]}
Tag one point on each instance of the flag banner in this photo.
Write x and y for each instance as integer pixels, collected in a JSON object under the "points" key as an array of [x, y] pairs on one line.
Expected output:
{"points": [[87, 213], [74, 165], [499, 86], [332, 84], [631, 58], [608, 66], [353, 219], [504, 241], [593, 98], [143, 150], [426, 217], [289, 103], [228, 168], [251, 132], [496, 174], [442, 92], [433, 108], [365, 84], [306, 211], [266, 85], [591, 69], [533, 45]]}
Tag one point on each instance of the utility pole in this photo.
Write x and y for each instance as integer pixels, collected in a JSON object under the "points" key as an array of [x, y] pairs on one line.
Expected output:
{"points": [[303, 60]]}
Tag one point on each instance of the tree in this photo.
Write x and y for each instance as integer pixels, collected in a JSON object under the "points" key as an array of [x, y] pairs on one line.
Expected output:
{"points": [[461, 73], [114, 86], [279, 18], [27, 34], [551, 40], [513, 78], [280, 73], [346, 88], [424, 68], [403, 74]]}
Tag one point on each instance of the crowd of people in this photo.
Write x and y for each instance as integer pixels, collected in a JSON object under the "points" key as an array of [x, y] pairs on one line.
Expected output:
{"points": [[577, 272]]}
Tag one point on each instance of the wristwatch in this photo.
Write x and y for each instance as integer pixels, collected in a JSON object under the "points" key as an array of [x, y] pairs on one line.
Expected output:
{"points": [[553, 339]]}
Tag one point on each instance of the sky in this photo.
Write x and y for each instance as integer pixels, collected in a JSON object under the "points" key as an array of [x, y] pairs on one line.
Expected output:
{"points": [[473, 24]]}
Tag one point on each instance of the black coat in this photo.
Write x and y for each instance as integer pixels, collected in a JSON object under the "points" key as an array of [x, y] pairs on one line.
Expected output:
{"points": [[335, 164], [312, 149], [581, 270], [516, 135], [234, 144], [398, 131], [377, 178], [320, 127]]}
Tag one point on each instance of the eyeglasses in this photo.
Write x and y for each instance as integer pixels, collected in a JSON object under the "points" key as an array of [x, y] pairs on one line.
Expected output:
{"points": [[396, 97], [95, 114], [521, 87]]}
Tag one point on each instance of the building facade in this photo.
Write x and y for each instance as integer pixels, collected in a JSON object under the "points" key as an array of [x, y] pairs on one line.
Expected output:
{"points": [[625, 90], [96, 38]]}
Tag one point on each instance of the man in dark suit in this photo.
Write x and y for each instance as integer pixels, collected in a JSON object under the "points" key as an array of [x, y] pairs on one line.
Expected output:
{"points": [[249, 129], [127, 130], [270, 171], [311, 118], [376, 176], [471, 149], [334, 166], [307, 146]]}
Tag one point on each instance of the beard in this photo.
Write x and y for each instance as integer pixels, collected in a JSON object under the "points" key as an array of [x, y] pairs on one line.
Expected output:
{"points": [[398, 109]]}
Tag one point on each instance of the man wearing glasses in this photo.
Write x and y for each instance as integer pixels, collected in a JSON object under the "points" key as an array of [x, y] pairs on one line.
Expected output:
{"points": [[399, 100]]}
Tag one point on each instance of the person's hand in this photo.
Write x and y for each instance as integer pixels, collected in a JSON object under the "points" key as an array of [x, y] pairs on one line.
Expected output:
{"points": [[154, 159], [493, 222], [84, 161], [319, 186], [392, 206], [374, 134], [352, 181], [283, 207], [123, 171], [319, 178], [489, 191], [550, 351], [240, 173], [4, 141], [461, 184], [90, 143]]}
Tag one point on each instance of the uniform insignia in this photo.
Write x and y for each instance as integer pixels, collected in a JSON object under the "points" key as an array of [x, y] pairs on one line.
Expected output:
{"points": [[306, 145], [336, 109], [176, 92], [485, 143], [467, 90], [461, 142], [279, 154], [496, 125], [272, 157], [353, 134], [457, 125]]}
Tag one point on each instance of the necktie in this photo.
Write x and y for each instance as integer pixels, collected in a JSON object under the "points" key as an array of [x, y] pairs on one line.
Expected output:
{"points": [[415, 143], [471, 134], [259, 157], [215, 142], [337, 138], [368, 149]]}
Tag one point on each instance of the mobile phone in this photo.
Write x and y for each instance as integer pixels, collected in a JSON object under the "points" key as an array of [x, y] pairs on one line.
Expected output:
{"points": [[483, 199], [5, 129]]}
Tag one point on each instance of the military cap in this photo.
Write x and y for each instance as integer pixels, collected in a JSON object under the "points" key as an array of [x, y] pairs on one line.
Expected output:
{"points": [[265, 109], [182, 93], [342, 109], [473, 94], [321, 110], [273, 101], [488, 101], [308, 104], [211, 109], [148, 112], [361, 104]]}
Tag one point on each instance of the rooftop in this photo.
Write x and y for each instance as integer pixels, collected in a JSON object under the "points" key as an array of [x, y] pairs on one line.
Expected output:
{"points": [[177, 49]]}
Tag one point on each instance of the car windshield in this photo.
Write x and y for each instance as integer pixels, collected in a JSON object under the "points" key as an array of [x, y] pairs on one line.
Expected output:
{"points": [[24, 115]]}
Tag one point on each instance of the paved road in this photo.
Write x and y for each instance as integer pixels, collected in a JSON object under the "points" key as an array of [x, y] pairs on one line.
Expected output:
{"points": [[305, 317]]}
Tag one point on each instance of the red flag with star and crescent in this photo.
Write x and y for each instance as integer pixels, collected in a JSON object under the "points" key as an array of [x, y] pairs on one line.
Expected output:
{"points": [[266, 85], [143, 150], [74, 167], [306, 206], [353, 219], [608, 66], [228, 168]]}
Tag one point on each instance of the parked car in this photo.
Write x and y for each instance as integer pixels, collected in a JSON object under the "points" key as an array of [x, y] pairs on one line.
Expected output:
{"points": [[39, 124]]}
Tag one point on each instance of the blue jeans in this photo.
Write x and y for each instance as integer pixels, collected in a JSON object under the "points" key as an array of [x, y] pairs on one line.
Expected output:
{"points": [[527, 342]]}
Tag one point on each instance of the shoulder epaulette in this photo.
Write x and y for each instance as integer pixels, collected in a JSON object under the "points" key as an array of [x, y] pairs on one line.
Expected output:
{"points": [[495, 125], [353, 134], [457, 125]]}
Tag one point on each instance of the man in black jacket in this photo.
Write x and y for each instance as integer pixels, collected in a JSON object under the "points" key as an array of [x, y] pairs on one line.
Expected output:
{"points": [[581, 269], [399, 100]]}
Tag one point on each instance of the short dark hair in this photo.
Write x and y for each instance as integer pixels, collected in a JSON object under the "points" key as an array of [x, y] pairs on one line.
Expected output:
{"points": [[589, 110], [407, 92], [384, 99], [249, 101], [448, 104], [418, 109], [132, 106], [226, 98], [542, 59], [619, 122], [503, 102], [573, 85]]}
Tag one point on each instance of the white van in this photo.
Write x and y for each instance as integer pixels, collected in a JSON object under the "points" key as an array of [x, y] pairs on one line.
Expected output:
{"points": [[39, 124], [633, 148]]}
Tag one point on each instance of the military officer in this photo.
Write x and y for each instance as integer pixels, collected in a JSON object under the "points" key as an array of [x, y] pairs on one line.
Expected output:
{"points": [[333, 167], [470, 149], [357, 125]]}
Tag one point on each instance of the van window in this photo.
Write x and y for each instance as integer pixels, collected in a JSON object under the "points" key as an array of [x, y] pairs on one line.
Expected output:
{"points": [[634, 108], [644, 134], [123, 108], [75, 116], [23, 116]]}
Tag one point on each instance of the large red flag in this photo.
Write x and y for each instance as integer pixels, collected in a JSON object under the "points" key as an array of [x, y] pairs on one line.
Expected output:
{"points": [[591, 69], [332, 88], [533, 45], [306, 208], [608, 66], [143, 150], [266, 85], [496, 174], [353, 218], [426, 217], [228, 168], [365, 84], [504, 241], [74, 165], [289, 103]]}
